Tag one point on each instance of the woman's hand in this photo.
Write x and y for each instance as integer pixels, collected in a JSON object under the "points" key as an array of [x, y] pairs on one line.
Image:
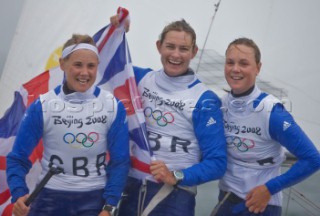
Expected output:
{"points": [[20, 208], [161, 173], [104, 213], [114, 20], [257, 199]]}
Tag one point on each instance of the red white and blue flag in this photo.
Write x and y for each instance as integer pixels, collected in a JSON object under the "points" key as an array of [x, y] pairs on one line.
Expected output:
{"points": [[115, 74]]}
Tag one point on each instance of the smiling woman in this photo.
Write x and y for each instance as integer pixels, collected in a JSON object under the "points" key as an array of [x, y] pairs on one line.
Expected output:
{"points": [[257, 136], [80, 63], [177, 48], [240, 71], [188, 143], [76, 138]]}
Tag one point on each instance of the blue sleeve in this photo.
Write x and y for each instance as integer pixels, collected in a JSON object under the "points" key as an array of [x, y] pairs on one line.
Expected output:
{"points": [[139, 73], [18, 163], [119, 163], [287, 132], [209, 130]]}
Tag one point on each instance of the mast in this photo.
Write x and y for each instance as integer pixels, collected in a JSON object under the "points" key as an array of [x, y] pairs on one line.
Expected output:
{"points": [[208, 33]]}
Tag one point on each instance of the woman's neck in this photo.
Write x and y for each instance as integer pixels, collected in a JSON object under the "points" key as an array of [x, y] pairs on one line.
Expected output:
{"points": [[173, 84], [249, 91], [66, 89]]}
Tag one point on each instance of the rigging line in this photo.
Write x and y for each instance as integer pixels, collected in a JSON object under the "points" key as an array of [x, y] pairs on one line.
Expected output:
{"points": [[299, 197], [288, 201], [209, 30], [308, 211], [292, 199], [293, 86], [296, 196], [305, 199]]}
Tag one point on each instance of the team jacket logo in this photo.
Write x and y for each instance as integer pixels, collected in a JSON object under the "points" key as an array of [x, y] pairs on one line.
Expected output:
{"points": [[241, 129], [79, 122], [240, 144], [159, 101], [286, 125], [81, 139], [211, 121], [161, 118]]}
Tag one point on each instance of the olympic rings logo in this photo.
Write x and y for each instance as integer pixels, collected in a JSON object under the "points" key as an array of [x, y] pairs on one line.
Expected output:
{"points": [[243, 145], [162, 119], [81, 138]]}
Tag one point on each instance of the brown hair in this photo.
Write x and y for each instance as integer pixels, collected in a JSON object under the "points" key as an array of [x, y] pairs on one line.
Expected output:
{"points": [[247, 42], [180, 25], [78, 38]]}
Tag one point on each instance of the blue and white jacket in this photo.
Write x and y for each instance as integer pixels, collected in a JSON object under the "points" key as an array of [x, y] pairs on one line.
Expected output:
{"points": [[257, 127], [184, 124], [77, 130]]}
